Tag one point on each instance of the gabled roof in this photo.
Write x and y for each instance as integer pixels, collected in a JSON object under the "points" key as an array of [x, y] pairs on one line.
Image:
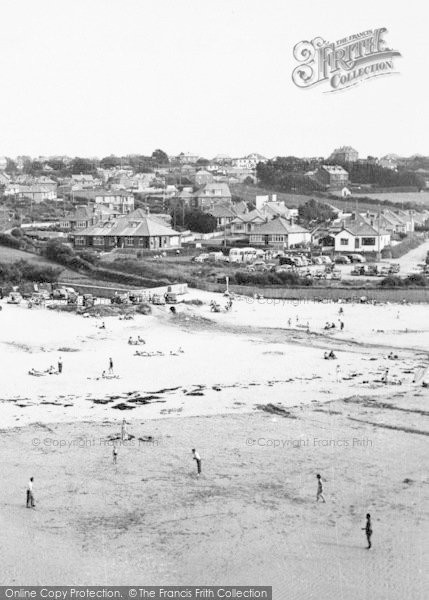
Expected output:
{"points": [[278, 226], [81, 213], [221, 210], [250, 217], [210, 190], [126, 226], [334, 170]]}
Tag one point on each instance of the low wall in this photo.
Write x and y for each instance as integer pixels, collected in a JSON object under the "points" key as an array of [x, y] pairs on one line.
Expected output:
{"points": [[396, 295]]}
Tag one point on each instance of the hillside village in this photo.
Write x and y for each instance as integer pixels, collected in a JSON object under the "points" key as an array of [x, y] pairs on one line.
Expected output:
{"points": [[135, 207]]}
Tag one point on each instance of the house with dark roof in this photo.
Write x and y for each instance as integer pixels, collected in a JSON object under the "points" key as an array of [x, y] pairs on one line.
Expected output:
{"points": [[280, 234], [356, 234], [135, 231]]}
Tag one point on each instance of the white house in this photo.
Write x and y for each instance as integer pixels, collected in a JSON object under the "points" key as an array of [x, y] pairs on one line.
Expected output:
{"points": [[359, 237], [279, 233]]}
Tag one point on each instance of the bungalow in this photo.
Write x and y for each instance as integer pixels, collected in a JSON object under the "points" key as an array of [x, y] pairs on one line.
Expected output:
{"points": [[279, 233], [211, 194], [127, 232], [117, 200], [359, 236]]}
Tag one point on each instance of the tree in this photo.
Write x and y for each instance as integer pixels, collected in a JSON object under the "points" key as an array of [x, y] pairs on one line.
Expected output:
{"points": [[316, 211], [82, 165], [160, 157], [198, 221], [109, 162], [202, 162]]}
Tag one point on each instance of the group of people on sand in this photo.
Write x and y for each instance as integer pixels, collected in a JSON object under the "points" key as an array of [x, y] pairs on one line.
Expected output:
{"points": [[330, 355], [50, 371], [138, 342], [320, 496], [146, 353], [30, 502], [333, 326], [109, 374]]}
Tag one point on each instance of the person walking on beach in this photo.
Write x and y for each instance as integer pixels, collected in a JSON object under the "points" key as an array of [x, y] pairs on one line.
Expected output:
{"points": [[115, 454], [110, 365], [341, 325], [368, 530], [319, 489], [123, 430], [60, 365], [30, 497], [197, 457]]}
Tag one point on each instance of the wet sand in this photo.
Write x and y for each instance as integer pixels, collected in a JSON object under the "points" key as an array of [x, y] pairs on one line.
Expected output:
{"points": [[266, 413]]}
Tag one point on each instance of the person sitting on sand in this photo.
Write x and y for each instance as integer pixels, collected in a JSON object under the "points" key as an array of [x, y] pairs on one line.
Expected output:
{"points": [[332, 355], [140, 340], [319, 489], [103, 325], [130, 340]]}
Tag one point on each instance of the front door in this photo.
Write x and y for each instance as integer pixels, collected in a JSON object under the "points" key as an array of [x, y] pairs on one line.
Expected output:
{"points": [[356, 243]]}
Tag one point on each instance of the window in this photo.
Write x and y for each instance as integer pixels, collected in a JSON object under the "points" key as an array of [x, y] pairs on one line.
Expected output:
{"points": [[129, 241], [344, 241], [98, 241], [368, 241], [80, 241], [277, 238]]}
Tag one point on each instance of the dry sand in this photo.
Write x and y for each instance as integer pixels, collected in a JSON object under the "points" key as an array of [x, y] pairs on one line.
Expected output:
{"points": [[252, 517]]}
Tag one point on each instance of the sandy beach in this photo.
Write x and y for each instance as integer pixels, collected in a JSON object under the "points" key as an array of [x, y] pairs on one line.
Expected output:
{"points": [[254, 395]]}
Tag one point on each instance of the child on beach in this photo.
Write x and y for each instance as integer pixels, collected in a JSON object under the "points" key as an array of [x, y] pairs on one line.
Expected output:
{"points": [[368, 530], [197, 457], [319, 489], [115, 454], [110, 365]]}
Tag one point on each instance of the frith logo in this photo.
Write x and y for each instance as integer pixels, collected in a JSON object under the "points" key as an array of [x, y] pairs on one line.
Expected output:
{"points": [[344, 63]]}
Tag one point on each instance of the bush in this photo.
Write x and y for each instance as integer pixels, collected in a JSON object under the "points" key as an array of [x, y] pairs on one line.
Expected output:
{"points": [[392, 281], [417, 280], [16, 232], [9, 240], [21, 270], [60, 253]]}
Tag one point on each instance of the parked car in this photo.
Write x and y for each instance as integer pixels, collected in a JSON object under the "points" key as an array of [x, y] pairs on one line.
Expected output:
{"points": [[158, 299], [201, 258], [326, 260], [171, 298], [342, 260], [356, 258], [394, 267], [336, 275], [14, 298]]}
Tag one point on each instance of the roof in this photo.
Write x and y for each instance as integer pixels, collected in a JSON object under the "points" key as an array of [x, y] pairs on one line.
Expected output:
{"points": [[334, 170], [249, 217], [279, 226], [210, 190], [360, 228], [126, 226], [221, 210], [81, 213]]}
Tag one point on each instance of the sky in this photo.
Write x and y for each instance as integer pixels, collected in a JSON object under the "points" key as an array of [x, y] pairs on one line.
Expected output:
{"points": [[100, 77]]}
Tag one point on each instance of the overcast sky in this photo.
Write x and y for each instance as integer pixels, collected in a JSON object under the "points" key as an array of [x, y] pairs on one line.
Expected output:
{"points": [[95, 77]]}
